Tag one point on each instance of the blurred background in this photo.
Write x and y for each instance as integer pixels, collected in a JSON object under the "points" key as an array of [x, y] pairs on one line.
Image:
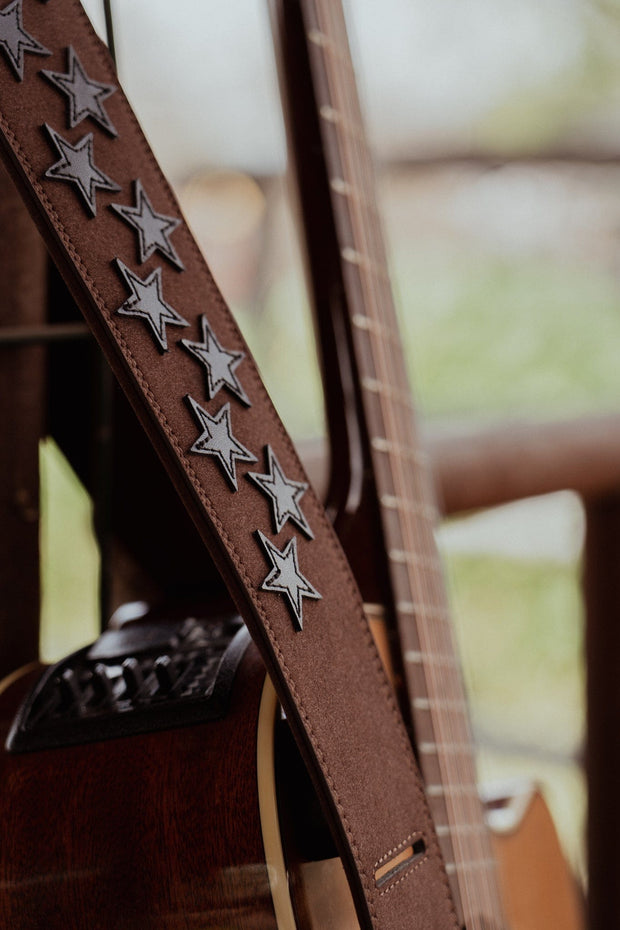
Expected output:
{"points": [[496, 128]]}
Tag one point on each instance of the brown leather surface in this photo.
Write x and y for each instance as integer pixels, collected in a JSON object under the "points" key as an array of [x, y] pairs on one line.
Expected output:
{"points": [[329, 676]]}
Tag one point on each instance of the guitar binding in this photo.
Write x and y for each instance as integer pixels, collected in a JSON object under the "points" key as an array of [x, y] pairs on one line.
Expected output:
{"points": [[155, 675]]}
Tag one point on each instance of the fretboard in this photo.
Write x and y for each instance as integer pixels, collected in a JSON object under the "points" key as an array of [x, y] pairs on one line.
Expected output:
{"points": [[431, 670]]}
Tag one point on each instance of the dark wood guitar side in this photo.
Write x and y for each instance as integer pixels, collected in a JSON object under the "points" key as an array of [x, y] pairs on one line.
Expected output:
{"points": [[161, 830]]}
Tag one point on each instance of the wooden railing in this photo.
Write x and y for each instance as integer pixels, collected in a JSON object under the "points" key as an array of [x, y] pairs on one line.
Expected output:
{"points": [[486, 466]]}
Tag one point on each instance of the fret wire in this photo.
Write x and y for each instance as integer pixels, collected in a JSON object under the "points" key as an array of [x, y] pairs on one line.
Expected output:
{"points": [[420, 607], [326, 42], [383, 444], [403, 556], [354, 257], [444, 829], [456, 706], [386, 390], [346, 189], [444, 788], [419, 658], [426, 704], [413, 507], [334, 116], [369, 324], [416, 576], [432, 749], [473, 864]]}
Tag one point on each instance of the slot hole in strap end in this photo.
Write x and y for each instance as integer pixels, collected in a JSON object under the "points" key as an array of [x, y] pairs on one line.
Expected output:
{"points": [[390, 868]]}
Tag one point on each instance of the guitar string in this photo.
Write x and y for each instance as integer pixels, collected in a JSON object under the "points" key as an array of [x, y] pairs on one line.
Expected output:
{"points": [[374, 248]]}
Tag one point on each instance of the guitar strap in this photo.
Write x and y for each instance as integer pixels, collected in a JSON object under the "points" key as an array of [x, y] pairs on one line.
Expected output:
{"points": [[114, 230]]}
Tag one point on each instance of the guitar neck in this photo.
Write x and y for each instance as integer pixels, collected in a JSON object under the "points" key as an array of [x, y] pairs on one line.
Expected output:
{"points": [[380, 490]]}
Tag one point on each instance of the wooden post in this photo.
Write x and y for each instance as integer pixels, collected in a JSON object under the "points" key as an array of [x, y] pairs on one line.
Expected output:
{"points": [[602, 596], [22, 401]]}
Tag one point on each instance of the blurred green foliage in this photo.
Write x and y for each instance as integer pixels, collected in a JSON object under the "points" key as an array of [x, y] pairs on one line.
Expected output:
{"points": [[519, 631], [489, 336], [69, 559]]}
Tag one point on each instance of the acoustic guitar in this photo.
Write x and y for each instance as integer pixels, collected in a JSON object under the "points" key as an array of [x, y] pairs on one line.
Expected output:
{"points": [[150, 779]]}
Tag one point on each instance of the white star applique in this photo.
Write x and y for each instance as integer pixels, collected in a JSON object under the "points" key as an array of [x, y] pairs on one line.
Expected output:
{"points": [[14, 40], [147, 303], [217, 439], [153, 228], [284, 494], [77, 167], [219, 363], [285, 577], [85, 95]]}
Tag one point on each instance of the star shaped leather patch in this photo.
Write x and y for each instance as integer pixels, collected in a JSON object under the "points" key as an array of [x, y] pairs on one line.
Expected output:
{"points": [[219, 364], [217, 439], [286, 578], [14, 40], [153, 228], [76, 166], [147, 303], [85, 95], [284, 494]]}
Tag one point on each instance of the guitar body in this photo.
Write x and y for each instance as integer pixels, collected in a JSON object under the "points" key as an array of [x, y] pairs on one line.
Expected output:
{"points": [[537, 888], [186, 827], [157, 830]]}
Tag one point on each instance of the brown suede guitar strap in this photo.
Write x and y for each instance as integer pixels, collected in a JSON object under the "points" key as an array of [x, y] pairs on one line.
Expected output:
{"points": [[115, 231]]}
